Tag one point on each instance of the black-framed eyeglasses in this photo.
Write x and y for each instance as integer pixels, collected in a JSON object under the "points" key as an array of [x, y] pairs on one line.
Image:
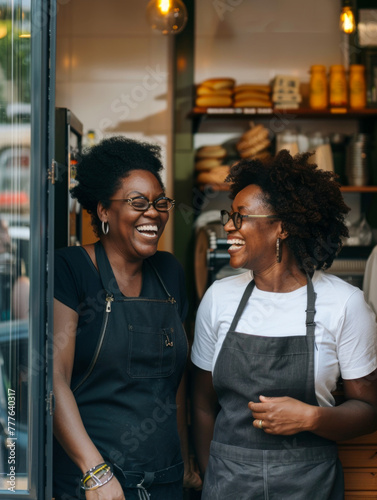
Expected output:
{"points": [[237, 218], [142, 204]]}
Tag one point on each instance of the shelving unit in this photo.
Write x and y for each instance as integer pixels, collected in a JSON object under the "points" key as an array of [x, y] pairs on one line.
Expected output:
{"points": [[366, 119], [198, 115]]}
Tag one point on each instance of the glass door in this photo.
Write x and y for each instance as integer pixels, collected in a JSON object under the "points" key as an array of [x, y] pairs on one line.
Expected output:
{"points": [[25, 284]]}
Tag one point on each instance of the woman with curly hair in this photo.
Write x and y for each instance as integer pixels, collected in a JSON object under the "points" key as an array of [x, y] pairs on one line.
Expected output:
{"points": [[271, 343], [119, 345]]}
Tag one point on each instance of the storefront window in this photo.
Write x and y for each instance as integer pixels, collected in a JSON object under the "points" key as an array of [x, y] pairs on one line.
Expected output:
{"points": [[15, 133]]}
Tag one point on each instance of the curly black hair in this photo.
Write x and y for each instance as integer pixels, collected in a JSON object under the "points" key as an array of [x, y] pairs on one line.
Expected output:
{"points": [[306, 199], [101, 169]]}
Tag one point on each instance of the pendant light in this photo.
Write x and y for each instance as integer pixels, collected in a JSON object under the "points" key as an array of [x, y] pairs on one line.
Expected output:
{"points": [[347, 18], [167, 16]]}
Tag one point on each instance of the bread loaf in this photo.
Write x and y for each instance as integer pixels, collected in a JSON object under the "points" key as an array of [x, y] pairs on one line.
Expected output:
{"points": [[207, 163], [253, 88], [219, 83], [204, 90], [214, 176], [248, 94], [256, 148], [253, 103], [211, 101], [254, 130], [262, 155], [248, 142], [216, 151]]}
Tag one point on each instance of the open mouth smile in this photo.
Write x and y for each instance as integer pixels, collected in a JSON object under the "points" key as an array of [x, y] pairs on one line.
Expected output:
{"points": [[235, 243], [148, 230]]}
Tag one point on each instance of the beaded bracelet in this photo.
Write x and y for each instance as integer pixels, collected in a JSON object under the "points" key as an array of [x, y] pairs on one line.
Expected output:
{"points": [[94, 476]]}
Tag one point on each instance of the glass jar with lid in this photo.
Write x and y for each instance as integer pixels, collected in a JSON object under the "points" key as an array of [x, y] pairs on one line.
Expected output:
{"points": [[357, 86], [318, 98], [338, 86]]}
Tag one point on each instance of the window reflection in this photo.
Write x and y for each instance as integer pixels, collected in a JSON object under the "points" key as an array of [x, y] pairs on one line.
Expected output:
{"points": [[15, 169]]}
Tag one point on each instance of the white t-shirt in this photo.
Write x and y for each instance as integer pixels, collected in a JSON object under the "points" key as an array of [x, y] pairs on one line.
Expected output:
{"points": [[345, 332]]}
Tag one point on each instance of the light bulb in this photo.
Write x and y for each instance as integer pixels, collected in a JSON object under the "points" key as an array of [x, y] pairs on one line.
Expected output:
{"points": [[167, 16], [347, 20]]}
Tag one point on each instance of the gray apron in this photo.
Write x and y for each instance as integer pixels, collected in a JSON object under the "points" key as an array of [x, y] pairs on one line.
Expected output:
{"points": [[246, 463]]}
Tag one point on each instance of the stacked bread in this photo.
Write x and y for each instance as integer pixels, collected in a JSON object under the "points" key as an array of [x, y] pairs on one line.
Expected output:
{"points": [[209, 165], [215, 93], [286, 92], [255, 143], [252, 96]]}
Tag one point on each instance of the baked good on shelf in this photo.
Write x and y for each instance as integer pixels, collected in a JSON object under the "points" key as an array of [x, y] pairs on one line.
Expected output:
{"points": [[216, 151], [219, 83], [252, 96], [254, 149], [207, 163], [253, 102], [204, 90], [251, 87], [216, 175], [254, 143], [248, 141], [215, 93], [214, 101]]}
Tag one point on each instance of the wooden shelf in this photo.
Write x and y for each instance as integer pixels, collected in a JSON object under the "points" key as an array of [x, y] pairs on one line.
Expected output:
{"points": [[199, 114], [303, 112]]}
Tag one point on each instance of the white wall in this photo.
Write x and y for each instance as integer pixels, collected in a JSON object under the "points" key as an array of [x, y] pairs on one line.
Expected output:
{"points": [[113, 73], [253, 40]]}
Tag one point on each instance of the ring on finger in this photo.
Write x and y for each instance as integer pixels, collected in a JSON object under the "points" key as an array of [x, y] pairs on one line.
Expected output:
{"points": [[260, 424]]}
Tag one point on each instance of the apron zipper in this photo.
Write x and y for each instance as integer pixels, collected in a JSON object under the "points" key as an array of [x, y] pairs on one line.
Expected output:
{"points": [[171, 300], [109, 299]]}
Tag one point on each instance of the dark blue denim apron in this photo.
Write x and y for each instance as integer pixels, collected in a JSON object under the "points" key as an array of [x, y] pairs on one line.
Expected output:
{"points": [[245, 462], [127, 398]]}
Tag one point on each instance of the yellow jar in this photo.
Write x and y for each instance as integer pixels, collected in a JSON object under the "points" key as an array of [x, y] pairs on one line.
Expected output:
{"points": [[357, 86], [318, 98], [338, 86]]}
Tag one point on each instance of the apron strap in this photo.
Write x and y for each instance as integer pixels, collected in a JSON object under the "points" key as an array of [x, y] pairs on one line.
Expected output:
{"points": [[242, 304], [142, 480], [310, 308], [108, 280], [159, 278]]}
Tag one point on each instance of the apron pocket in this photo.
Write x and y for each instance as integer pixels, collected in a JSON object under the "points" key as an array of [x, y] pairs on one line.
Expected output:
{"points": [[152, 352]]}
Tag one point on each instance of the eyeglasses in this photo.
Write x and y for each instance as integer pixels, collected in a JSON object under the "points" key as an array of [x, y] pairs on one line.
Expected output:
{"points": [[237, 218], [142, 204]]}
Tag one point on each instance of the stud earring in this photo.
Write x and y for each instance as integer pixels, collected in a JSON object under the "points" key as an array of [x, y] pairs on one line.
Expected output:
{"points": [[105, 229], [278, 250]]}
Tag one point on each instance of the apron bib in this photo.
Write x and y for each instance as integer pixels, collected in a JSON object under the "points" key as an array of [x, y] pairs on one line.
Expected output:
{"points": [[245, 462], [127, 397]]}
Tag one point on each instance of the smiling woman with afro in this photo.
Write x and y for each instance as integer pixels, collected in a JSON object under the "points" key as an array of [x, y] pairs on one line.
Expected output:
{"points": [[307, 200]]}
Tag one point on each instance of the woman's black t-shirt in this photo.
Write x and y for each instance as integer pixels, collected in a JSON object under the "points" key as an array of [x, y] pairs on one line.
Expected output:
{"points": [[78, 286]]}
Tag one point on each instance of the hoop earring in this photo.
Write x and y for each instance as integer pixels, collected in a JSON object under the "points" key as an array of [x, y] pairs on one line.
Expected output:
{"points": [[278, 250], [105, 229]]}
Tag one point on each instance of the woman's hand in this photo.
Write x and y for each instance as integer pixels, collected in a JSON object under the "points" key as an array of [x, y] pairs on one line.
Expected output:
{"points": [[191, 477], [283, 415], [109, 491]]}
